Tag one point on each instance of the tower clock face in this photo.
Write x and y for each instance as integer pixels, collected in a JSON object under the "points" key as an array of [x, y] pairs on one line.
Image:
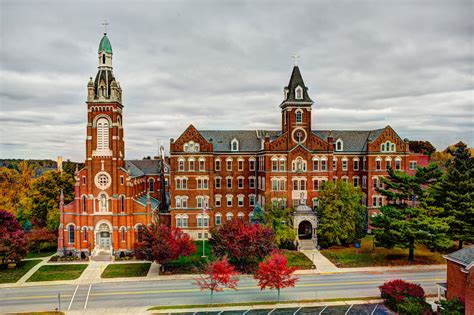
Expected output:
{"points": [[103, 180]]}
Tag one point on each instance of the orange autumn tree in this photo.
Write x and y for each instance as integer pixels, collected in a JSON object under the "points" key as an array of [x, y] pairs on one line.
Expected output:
{"points": [[216, 276], [274, 273]]}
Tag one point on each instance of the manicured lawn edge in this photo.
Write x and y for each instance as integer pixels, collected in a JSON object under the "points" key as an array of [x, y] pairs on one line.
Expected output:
{"points": [[261, 303], [40, 254], [58, 272], [19, 271], [126, 270]]}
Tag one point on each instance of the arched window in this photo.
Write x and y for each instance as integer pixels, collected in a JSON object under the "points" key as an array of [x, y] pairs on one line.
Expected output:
{"points": [[229, 216], [151, 184], [71, 233], [140, 233], [179, 222], [84, 204], [102, 134], [84, 231], [122, 203], [234, 145], [218, 219], [122, 233], [240, 215], [299, 116], [103, 59], [299, 93], [339, 145]]}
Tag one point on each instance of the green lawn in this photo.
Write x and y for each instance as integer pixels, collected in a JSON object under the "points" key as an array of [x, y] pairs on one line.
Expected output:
{"points": [[35, 254], [58, 272], [192, 263], [13, 275], [297, 259], [367, 256], [126, 270]]}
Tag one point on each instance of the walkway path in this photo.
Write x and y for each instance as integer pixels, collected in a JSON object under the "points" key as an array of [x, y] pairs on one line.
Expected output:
{"points": [[323, 265]]}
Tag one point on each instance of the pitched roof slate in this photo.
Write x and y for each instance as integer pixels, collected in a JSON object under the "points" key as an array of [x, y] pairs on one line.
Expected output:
{"points": [[464, 256], [143, 167]]}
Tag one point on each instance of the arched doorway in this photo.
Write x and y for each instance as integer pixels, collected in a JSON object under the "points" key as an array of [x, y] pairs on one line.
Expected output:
{"points": [[305, 230], [104, 236]]}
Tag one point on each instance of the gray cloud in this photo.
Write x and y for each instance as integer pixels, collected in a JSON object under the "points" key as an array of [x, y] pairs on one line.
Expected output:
{"points": [[223, 65]]}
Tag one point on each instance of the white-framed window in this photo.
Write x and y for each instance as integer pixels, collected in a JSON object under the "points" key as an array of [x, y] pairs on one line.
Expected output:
{"points": [[375, 182], [398, 163], [240, 215], [202, 164], [240, 182], [229, 164], [71, 233], [217, 200], [252, 200], [181, 164], [217, 182], [229, 182], [315, 184], [218, 218], [179, 221], [229, 216], [364, 181], [240, 200], [282, 165], [355, 181], [191, 146], [102, 134], [345, 179], [202, 183], [274, 164], [378, 163], [234, 145], [388, 162], [252, 164], [339, 145], [377, 201], [229, 200], [344, 164], [199, 202], [355, 164], [412, 165], [299, 116], [240, 164], [315, 203], [191, 164], [324, 164], [299, 165], [388, 146], [299, 93], [217, 165], [315, 164], [252, 182]]}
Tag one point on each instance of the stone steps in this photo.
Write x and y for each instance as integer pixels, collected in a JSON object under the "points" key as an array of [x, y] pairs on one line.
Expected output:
{"points": [[306, 245]]}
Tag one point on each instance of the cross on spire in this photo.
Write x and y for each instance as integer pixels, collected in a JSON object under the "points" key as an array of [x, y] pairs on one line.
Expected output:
{"points": [[105, 26], [295, 57]]}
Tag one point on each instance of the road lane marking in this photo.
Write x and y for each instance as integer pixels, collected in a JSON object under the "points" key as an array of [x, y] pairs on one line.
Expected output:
{"points": [[72, 299], [87, 298], [33, 297], [197, 290]]}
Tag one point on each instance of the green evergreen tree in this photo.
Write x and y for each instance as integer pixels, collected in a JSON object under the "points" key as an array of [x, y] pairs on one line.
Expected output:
{"points": [[455, 194], [341, 214], [407, 219]]}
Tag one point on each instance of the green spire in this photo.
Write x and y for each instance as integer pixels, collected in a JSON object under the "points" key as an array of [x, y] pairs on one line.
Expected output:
{"points": [[105, 45]]}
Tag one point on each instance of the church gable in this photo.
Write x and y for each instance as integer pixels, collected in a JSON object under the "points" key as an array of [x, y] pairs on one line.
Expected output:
{"points": [[279, 144], [191, 141], [315, 143], [383, 140]]}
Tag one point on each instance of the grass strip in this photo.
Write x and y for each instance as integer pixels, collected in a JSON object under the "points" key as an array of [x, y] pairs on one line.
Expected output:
{"points": [[126, 270], [58, 272], [15, 274]]}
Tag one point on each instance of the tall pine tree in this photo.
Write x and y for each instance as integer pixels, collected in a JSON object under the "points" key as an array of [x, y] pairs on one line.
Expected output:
{"points": [[407, 220], [455, 194]]}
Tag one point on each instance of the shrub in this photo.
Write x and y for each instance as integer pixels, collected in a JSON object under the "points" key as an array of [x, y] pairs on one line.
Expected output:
{"points": [[396, 291], [411, 305], [455, 306]]}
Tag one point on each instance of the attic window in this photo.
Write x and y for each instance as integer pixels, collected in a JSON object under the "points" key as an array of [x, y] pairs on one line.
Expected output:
{"points": [[234, 145], [339, 145], [103, 59], [299, 93]]}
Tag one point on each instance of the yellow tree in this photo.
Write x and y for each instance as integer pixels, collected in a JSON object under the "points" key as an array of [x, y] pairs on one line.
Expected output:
{"points": [[15, 187]]}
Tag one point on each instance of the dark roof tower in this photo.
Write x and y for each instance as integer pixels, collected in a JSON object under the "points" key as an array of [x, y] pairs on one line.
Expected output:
{"points": [[296, 92]]}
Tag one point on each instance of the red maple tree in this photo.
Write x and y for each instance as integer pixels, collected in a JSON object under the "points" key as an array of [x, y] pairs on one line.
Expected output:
{"points": [[39, 238], [162, 244], [13, 245], [274, 273], [243, 243], [216, 276]]}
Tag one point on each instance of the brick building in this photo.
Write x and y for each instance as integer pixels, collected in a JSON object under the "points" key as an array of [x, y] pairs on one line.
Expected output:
{"points": [[460, 277], [231, 171], [114, 198]]}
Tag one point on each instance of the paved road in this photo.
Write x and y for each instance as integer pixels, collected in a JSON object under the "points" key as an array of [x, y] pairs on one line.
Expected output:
{"points": [[172, 292]]}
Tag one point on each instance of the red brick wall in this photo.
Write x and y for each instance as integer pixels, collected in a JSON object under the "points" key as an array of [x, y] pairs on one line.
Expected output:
{"points": [[461, 284]]}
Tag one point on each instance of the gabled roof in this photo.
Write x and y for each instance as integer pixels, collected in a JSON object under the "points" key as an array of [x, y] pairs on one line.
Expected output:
{"points": [[296, 80], [353, 140], [463, 257], [249, 140], [143, 167]]}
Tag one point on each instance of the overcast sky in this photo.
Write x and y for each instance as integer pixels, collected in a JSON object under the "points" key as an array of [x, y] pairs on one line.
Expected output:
{"points": [[223, 65]]}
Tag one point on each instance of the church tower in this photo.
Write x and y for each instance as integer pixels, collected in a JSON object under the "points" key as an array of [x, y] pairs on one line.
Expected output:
{"points": [[296, 109], [105, 148]]}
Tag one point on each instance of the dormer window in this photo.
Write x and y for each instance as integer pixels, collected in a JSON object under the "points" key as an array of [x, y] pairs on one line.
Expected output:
{"points": [[299, 116], [339, 145], [299, 93], [234, 145]]}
